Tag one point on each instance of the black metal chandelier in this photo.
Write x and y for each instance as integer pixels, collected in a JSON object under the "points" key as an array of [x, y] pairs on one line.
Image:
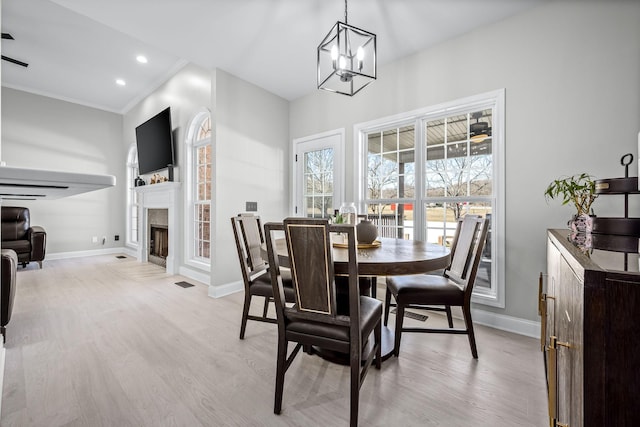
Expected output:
{"points": [[346, 59]]}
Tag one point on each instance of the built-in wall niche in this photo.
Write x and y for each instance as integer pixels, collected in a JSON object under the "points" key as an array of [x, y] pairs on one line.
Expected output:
{"points": [[158, 236]]}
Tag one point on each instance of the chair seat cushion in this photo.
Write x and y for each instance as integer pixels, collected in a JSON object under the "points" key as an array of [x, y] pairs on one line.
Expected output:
{"points": [[19, 246], [335, 337], [425, 289], [261, 286]]}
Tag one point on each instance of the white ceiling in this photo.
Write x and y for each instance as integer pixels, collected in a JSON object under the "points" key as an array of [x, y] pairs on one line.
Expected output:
{"points": [[76, 49]]}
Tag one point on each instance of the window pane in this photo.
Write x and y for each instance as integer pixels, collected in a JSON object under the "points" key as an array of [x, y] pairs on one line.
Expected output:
{"points": [[481, 171], [391, 173], [392, 219], [315, 206], [435, 132], [318, 183], [480, 125], [206, 251], [457, 128], [461, 163], [442, 219], [206, 212], [441, 223], [202, 230]]}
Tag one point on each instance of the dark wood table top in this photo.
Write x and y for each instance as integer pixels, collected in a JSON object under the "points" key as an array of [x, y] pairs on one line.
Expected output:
{"points": [[392, 258]]}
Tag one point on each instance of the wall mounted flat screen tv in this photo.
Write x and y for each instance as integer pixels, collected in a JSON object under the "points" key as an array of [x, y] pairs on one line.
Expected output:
{"points": [[154, 139]]}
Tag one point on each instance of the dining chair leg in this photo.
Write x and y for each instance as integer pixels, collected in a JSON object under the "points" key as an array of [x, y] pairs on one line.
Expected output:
{"points": [[447, 309], [398, 333], [280, 371], [355, 389], [466, 310], [266, 307], [245, 314], [377, 337], [374, 287], [387, 306]]}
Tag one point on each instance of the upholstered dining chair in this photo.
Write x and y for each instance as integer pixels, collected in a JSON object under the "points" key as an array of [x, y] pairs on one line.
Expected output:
{"points": [[452, 288], [249, 238], [314, 319]]}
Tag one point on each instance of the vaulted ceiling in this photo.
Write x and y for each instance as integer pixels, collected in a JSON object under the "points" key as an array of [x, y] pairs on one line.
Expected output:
{"points": [[76, 49]]}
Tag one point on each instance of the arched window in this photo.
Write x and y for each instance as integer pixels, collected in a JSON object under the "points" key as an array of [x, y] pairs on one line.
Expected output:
{"points": [[132, 197], [198, 190]]}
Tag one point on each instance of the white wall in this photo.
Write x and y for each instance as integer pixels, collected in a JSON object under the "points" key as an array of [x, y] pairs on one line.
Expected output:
{"points": [[45, 133], [572, 76], [251, 158]]}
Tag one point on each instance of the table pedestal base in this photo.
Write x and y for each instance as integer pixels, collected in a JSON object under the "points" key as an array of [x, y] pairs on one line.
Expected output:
{"points": [[387, 339]]}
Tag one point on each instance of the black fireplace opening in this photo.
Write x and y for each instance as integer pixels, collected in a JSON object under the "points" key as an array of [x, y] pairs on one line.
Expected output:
{"points": [[159, 241]]}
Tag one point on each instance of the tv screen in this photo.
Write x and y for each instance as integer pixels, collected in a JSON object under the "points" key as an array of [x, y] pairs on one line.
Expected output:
{"points": [[154, 139]]}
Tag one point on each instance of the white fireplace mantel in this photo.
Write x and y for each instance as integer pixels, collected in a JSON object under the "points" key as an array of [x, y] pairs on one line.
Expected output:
{"points": [[165, 195]]}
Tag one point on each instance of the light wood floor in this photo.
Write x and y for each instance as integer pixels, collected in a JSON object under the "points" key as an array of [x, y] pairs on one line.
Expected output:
{"points": [[101, 341]]}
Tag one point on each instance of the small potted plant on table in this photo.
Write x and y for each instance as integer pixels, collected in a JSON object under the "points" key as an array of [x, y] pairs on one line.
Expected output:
{"points": [[579, 190]]}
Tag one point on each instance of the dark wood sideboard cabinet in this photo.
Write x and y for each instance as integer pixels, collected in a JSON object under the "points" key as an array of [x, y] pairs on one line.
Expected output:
{"points": [[589, 303]]}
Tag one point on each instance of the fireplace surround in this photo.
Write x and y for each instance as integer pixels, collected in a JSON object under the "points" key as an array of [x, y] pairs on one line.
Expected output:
{"points": [[152, 198]]}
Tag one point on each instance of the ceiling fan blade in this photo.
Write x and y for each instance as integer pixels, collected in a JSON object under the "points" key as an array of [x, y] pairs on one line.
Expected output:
{"points": [[7, 36], [15, 61]]}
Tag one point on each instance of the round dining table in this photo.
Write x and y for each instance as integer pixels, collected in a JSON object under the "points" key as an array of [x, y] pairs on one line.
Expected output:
{"points": [[392, 257]]}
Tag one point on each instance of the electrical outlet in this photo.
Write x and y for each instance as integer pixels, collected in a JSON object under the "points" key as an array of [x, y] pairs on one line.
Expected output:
{"points": [[117, 237], [252, 206], [94, 239]]}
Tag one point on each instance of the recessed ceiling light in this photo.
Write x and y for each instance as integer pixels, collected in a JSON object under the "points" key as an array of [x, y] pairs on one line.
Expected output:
{"points": [[141, 59], [120, 82]]}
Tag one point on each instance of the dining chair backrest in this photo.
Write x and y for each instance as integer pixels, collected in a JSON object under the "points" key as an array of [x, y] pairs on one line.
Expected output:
{"points": [[310, 255], [247, 231], [309, 249], [469, 239]]}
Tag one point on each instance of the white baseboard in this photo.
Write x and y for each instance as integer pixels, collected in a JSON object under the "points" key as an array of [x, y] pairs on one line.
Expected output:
{"points": [[503, 322], [93, 252], [200, 276], [226, 289]]}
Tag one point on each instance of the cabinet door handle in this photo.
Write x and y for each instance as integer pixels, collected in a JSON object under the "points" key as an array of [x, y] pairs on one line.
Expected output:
{"points": [[540, 295], [552, 365], [543, 322]]}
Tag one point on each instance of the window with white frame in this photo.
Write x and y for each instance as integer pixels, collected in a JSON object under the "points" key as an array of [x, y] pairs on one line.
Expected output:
{"points": [[422, 171], [132, 197], [199, 188]]}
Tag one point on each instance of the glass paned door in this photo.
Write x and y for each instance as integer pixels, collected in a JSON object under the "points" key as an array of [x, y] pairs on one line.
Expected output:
{"points": [[318, 183], [319, 175]]}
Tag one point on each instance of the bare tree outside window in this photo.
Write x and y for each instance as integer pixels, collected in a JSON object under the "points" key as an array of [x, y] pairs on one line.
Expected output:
{"points": [[318, 183]]}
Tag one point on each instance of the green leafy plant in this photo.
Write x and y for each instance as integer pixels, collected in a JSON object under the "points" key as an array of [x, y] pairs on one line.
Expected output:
{"points": [[338, 219], [577, 189]]}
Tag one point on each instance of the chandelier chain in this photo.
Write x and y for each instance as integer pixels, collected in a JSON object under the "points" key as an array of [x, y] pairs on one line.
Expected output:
{"points": [[345, 12]]}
